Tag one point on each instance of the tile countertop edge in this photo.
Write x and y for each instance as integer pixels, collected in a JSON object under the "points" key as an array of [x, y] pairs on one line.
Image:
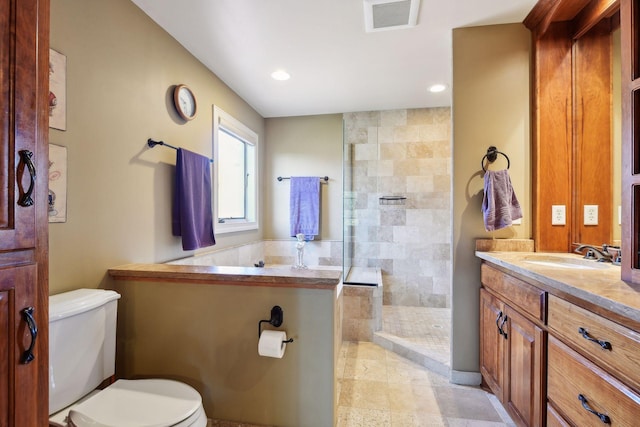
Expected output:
{"points": [[572, 284], [244, 276]]}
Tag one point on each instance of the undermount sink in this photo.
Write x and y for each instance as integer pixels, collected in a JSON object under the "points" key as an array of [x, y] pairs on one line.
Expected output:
{"points": [[565, 262]]}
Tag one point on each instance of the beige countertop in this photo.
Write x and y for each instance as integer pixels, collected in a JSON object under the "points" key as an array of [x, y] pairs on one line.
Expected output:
{"points": [[597, 286], [283, 277]]}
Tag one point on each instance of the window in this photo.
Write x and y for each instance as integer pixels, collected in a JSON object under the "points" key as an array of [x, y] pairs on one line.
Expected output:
{"points": [[235, 174]]}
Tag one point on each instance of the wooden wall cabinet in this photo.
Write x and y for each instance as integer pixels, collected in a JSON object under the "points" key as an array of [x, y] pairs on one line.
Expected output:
{"points": [[512, 344], [24, 293], [572, 119]]}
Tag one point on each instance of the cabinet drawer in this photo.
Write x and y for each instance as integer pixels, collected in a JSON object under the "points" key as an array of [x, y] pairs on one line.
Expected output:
{"points": [[522, 295], [618, 348], [571, 376], [554, 419]]}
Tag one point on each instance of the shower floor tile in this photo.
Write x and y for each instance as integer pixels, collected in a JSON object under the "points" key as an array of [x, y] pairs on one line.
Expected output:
{"points": [[423, 331]]}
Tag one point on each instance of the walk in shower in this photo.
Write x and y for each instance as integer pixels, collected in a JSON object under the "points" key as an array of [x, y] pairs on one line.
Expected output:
{"points": [[397, 206]]}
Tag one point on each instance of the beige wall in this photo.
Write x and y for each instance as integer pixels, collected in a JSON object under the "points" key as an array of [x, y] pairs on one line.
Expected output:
{"points": [[208, 338], [491, 82], [303, 146], [120, 70]]}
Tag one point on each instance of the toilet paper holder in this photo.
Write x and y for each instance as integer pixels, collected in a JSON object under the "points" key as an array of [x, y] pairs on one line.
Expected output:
{"points": [[275, 320]]}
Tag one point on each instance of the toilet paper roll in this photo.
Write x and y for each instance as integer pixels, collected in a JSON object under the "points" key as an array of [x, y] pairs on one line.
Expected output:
{"points": [[271, 344]]}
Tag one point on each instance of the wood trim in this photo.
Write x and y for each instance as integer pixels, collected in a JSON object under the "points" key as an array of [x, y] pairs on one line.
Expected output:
{"points": [[547, 12], [42, 216], [593, 13], [539, 17]]}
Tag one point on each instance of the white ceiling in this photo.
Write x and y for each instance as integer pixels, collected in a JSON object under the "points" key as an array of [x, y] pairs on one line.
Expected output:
{"points": [[335, 65]]}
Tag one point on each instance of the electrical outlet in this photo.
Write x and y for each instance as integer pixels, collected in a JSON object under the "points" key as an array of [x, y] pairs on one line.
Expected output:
{"points": [[590, 214], [558, 215]]}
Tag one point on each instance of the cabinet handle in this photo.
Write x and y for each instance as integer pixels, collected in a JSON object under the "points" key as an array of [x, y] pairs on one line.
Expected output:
{"points": [[500, 331], [500, 325], [604, 418], [25, 157], [504, 333], [604, 344], [27, 314]]}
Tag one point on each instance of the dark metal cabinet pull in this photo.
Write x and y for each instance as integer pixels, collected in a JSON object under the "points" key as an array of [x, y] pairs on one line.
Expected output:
{"points": [[504, 333], [604, 344], [25, 199], [501, 324], [604, 418], [27, 314]]}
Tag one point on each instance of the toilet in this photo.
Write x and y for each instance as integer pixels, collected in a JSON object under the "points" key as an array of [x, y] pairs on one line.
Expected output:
{"points": [[82, 347]]}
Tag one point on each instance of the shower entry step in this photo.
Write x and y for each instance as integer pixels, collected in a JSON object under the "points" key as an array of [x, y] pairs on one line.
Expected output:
{"points": [[420, 334]]}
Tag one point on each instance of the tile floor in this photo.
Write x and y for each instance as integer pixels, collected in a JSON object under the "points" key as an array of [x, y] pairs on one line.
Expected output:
{"points": [[376, 387]]}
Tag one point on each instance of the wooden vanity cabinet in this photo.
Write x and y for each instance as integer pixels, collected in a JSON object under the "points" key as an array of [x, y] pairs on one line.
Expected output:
{"points": [[593, 375], [554, 362], [512, 342]]}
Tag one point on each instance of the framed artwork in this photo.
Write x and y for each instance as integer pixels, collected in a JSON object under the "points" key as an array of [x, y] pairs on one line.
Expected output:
{"points": [[57, 90], [57, 183]]}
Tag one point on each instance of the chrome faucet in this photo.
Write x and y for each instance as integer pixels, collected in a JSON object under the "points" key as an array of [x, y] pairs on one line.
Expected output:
{"points": [[599, 254]]}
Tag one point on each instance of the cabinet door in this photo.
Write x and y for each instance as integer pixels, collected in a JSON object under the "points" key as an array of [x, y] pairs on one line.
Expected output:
{"points": [[24, 52], [19, 380], [492, 343], [525, 369], [18, 124]]}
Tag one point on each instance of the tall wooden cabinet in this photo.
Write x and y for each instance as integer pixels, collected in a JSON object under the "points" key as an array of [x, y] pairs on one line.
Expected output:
{"points": [[630, 61], [24, 293]]}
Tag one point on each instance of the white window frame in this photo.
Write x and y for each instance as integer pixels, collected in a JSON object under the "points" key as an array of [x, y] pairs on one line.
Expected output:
{"points": [[234, 126]]}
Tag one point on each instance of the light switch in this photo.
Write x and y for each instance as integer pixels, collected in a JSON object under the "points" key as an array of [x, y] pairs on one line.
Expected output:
{"points": [[619, 215], [558, 215], [590, 214]]}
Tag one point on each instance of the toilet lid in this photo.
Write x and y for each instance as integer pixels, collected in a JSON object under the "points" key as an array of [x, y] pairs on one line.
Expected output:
{"points": [[139, 403]]}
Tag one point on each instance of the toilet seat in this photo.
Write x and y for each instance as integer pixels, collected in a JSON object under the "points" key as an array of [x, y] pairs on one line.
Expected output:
{"points": [[141, 403]]}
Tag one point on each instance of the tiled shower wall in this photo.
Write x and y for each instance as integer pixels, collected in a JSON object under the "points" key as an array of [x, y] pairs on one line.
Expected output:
{"points": [[401, 153]]}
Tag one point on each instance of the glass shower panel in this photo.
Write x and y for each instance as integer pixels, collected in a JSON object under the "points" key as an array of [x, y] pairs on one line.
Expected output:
{"points": [[360, 198]]}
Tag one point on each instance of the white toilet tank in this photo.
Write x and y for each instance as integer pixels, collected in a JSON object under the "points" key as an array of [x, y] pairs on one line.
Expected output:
{"points": [[82, 343]]}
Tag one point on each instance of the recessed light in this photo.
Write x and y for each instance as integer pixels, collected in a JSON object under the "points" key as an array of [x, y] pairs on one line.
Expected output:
{"points": [[437, 88], [280, 75]]}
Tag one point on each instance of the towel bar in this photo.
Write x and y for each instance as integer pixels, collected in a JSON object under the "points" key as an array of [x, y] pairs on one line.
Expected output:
{"points": [[322, 178], [151, 143]]}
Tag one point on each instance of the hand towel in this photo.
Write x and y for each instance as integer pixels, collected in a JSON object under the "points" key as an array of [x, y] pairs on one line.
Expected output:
{"points": [[500, 205], [304, 206], [192, 214]]}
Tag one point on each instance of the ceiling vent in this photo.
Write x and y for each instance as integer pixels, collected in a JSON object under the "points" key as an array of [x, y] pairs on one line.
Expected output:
{"points": [[380, 15]]}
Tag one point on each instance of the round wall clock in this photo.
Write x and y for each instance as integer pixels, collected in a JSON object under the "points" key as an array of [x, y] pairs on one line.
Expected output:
{"points": [[185, 102]]}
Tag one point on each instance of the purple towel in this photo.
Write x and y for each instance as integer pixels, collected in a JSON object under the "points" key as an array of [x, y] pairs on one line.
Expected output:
{"points": [[499, 205], [304, 206], [192, 215]]}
